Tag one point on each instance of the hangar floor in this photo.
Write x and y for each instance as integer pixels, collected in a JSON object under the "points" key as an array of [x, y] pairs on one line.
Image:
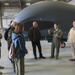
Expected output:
{"points": [[47, 66]]}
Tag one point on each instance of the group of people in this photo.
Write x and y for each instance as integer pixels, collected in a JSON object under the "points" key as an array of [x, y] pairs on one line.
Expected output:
{"points": [[35, 36], [15, 34]]}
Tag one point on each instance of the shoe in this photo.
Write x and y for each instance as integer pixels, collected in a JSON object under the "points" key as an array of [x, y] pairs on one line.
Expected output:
{"points": [[71, 59], [51, 57], [42, 57], [56, 58], [0, 73], [1, 67], [35, 58]]}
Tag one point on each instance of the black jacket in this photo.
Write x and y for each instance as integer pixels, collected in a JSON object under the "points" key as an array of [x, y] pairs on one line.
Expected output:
{"points": [[34, 34]]}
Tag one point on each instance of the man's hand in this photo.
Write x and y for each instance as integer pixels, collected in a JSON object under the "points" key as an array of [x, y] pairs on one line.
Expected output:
{"points": [[58, 36], [49, 32]]}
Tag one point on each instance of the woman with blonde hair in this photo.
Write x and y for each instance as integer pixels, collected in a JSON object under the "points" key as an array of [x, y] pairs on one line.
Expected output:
{"points": [[19, 43]]}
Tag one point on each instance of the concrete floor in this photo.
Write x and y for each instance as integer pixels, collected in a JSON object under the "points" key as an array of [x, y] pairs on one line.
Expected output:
{"points": [[47, 66]]}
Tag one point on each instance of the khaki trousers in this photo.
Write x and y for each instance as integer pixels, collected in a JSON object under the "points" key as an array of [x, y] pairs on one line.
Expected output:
{"points": [[19, 66], [73, 50]]}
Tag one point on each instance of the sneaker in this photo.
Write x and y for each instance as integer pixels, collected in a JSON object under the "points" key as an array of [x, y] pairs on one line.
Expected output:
{"points": [[71, 59]]}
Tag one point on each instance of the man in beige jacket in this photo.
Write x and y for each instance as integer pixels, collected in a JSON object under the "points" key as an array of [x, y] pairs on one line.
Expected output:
{"points": [[71, 39]]}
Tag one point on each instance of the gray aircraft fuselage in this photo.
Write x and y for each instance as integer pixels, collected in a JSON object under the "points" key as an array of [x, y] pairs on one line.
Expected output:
{"points": [[50, 11]]}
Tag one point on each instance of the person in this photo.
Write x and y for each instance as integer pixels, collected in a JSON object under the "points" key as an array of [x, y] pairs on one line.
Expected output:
{"points": [[8, 32], [7, 37], [57, 34], [35, 36], [19, 43], [71, 39], [0, 44], [1, 67]]}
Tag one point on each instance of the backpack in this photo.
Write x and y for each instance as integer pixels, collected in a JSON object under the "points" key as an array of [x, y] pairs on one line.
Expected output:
{"points": [[12, 54]]}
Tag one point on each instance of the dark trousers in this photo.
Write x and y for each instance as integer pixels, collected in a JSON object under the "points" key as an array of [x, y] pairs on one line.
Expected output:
{"points": [[53, 46], [34, 44], [0, 52]]}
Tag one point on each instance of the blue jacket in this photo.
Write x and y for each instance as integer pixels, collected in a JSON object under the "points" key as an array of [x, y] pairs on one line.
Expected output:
{"points": [[19, 42]]}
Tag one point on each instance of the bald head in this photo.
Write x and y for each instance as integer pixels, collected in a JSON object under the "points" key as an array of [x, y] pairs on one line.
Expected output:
{"points": [[35, 24], [74, 23]]}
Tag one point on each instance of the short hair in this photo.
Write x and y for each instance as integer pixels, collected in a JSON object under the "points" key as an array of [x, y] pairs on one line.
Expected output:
{"points": [[19, 28], [14, 23], [57, 24], [34, 22]]}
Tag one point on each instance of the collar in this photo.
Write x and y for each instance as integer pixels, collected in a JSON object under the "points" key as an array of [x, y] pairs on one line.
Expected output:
{"points": [[56, 30]]}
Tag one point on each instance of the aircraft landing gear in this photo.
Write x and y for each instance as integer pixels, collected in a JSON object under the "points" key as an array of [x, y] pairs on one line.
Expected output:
{"points": [[62, 44]]}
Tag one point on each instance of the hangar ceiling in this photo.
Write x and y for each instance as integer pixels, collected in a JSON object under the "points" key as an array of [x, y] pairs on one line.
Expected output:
{"points": [[22, 3]]}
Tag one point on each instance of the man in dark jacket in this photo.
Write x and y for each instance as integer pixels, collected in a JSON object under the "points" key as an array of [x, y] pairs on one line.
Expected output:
{"points": [[35, 36]]}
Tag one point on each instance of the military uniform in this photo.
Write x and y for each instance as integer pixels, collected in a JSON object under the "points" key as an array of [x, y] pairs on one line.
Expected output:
{"points": [[56, 42]]}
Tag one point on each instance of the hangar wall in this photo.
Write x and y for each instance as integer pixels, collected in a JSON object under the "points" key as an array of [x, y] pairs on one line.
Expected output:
{"points": [[8, 14]]}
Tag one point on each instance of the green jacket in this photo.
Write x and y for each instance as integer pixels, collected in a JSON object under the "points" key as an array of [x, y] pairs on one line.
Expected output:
{"points": [[55, 38]]}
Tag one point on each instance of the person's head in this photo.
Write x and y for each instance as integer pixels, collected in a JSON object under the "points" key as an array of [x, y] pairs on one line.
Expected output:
{"points": [[19, 28], [14, 23], [74, 23], [35, 24], [56, 26]]}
